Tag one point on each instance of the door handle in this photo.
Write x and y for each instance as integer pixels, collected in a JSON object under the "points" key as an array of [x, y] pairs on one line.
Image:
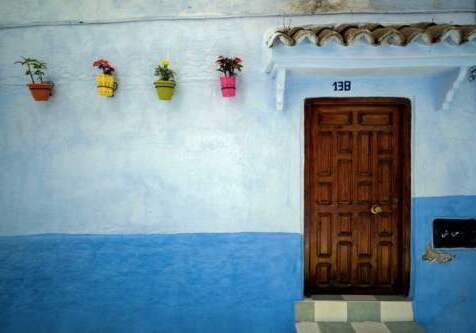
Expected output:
{"points": [[376, 209]]}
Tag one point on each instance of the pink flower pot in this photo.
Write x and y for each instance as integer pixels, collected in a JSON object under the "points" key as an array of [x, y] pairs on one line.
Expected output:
{"points": [[228, 86]]}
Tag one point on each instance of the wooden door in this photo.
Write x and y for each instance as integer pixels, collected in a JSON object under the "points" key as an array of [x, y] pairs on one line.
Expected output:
{"points": [[357, 192]]}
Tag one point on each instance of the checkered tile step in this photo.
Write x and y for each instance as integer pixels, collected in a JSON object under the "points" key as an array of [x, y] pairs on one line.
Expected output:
{"points": [[354, 308], [358, 327]]}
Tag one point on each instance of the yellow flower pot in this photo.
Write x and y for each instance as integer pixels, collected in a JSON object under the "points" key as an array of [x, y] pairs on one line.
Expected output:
{"points": [[165, 89], [106, 84]]}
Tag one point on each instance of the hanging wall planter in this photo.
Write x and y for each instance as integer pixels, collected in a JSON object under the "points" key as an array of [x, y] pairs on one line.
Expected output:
{"points": [[165, 85], [165, 89], [106, 85], [105, 82], [228, 86], [229, 67], [41, 91]]}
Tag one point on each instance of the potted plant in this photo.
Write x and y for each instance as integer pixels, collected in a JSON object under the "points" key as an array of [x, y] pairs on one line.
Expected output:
{"points": [[165, 85], [106, 83], [41, 91], [229, 67]]}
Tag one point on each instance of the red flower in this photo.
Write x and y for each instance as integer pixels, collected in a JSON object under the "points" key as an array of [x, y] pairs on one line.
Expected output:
{"points": [[104, 65], [229, 66], [100, 62]]}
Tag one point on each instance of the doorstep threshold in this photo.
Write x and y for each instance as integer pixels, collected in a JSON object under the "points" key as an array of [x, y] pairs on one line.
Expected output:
{"points": [[360, 298]]}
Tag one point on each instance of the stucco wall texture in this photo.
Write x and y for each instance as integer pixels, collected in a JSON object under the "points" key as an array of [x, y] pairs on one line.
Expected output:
{"points": [[150, 283], [28, 11], [89, 165], [81, 163]]}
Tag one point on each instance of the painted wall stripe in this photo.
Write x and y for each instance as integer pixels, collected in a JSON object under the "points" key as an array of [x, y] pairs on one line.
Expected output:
{"points": [[244, 282]]}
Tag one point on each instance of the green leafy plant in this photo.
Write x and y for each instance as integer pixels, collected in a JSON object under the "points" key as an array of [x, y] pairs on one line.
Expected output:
{"points": [[164, 72], [33, 68]]}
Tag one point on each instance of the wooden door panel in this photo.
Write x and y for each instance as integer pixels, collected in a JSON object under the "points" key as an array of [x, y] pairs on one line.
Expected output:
{"points": [[344, 224], [384, 224], [364, 235], [384, 263], [384, 180], [353, 162], [324, 245], [375, 118], [344, 143], [364, 152], [364, 275], [343, 182], [344, 262], [323, 274], [384, 143], [364, 191], [332, 118], [324, 146]]}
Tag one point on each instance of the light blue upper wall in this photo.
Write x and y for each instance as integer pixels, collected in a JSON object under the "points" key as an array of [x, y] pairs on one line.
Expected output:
{"points": [[28, 11], [442, 142], [81, 163]]}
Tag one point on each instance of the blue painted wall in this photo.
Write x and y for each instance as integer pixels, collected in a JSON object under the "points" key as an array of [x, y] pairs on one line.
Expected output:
{"points": [[244, 282], [83, 164], [444, 295]]}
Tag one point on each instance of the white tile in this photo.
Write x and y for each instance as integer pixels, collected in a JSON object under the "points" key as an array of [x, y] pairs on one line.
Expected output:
{"points": [[359, 297], [330, 311], [396, 311], [370, 327], [307, 327]]}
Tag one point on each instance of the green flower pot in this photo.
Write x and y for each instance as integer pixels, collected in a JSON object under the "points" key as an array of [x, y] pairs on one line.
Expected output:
{"points": [[165, 89]]}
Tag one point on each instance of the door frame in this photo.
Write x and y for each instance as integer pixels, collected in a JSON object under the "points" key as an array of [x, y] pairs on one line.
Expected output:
{"points": [[404, 105]]}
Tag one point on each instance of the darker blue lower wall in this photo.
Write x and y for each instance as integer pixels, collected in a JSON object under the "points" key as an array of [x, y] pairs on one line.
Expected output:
{"points": [[444, 294], [243, 282]]}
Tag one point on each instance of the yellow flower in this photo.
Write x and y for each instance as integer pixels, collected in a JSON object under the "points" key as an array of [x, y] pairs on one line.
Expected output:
{"points": [[164, 62]]}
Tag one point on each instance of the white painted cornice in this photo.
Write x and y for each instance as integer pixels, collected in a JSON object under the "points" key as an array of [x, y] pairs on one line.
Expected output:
{"points": [[368, 60]]}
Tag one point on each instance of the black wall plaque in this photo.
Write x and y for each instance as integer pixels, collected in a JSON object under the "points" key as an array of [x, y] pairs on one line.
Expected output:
{"points": [[451, 233]]}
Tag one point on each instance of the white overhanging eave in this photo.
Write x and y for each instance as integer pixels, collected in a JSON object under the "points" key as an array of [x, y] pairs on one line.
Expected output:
{"points": [[371, 49], [306, 62], [280, 66]]}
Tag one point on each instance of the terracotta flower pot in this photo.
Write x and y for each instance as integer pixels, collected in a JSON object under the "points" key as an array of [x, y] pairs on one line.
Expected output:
{"points": [[165, 89], [228, 86], [106, 85], [41, 91]]}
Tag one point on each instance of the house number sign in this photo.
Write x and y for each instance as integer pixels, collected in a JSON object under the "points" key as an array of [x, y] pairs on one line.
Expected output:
{"points": [[342, 85]]}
